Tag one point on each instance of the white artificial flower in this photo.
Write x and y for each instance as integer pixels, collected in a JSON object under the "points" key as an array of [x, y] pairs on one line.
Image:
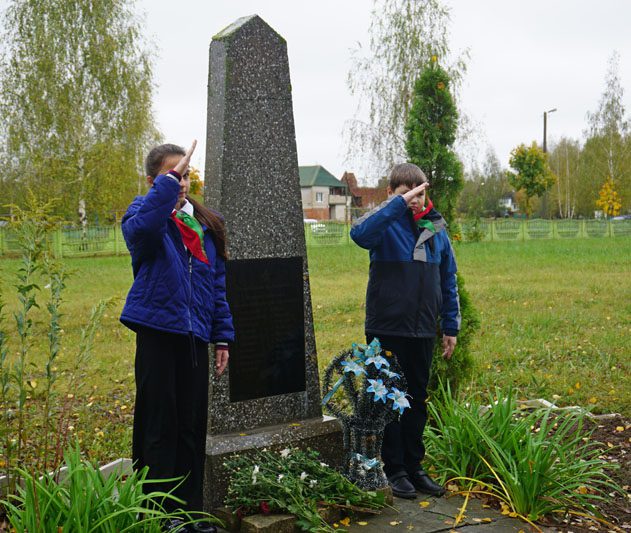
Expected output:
{"points": [[280, 476], [313, 483], [303, 476], [324, 465], [256, 470], [285, 453]]}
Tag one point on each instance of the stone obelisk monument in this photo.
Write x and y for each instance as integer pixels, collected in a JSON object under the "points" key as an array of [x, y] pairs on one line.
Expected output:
{"points": [[269, 397]]}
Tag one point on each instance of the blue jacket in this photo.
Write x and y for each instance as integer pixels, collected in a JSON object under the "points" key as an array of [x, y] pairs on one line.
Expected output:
{"points": [[412, 278], [172, 290]]}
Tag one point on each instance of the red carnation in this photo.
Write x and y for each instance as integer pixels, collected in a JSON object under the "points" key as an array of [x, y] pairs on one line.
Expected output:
{"points": [[264, 507]]}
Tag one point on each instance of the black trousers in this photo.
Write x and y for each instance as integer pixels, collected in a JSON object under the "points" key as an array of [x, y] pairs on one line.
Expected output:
{"points": [[171, 413], [402, 449]]}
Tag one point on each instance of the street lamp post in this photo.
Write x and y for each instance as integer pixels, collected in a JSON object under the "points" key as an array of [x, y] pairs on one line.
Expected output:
{"points": [[545, 128]]}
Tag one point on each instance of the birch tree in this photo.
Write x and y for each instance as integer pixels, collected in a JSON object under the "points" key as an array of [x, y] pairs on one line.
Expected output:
{"points": [[76, 88], [404, 35], [607, 150]]}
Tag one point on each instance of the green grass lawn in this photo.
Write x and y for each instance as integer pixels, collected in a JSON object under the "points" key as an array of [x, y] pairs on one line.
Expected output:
{"points": [[555, 322]]}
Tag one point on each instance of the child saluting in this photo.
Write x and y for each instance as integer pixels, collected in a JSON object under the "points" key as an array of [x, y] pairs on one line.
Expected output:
{"points": [[412, 282]]}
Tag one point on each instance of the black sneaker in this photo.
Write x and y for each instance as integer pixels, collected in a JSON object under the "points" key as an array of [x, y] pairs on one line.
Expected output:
{"points": [[401, 486], [203, 527], [423, 483]]}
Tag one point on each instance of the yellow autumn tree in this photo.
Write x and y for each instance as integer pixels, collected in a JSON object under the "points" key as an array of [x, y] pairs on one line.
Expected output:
{"points": [[197, 185], [608, 199]]}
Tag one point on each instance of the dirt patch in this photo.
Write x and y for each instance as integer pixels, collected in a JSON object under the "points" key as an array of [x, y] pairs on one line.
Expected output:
{"points": [[614, 433]]}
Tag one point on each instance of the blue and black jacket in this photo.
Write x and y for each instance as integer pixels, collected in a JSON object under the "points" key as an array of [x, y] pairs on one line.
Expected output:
{"points": [[172, 291], [412, 278]]}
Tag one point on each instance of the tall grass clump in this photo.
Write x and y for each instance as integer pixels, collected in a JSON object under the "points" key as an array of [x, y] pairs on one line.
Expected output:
{"points": [[535, 463], [85, 500]]}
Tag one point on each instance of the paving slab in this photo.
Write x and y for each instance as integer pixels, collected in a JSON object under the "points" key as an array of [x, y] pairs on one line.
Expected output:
{"points": [[434, 515]]}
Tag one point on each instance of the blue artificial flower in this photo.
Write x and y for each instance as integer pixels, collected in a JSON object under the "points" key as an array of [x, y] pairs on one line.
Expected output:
{"points": [[390, 374], [358, 351], [378, 389], [378, 361], [399, 401], [365, 463], [354, 367]]}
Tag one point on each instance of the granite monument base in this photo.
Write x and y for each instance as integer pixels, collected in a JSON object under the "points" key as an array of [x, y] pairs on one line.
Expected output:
{"points": [[322, 433]]}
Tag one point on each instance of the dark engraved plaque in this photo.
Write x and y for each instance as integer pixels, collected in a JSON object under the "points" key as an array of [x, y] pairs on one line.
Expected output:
{"points": [[266, 300]]}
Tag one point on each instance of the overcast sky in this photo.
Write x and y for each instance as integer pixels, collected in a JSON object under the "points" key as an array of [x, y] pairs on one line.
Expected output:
{"points": [[526, 57]]}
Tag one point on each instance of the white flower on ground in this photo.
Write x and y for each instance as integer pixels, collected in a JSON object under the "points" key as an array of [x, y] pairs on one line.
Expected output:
{"points": [[256, 470], [324, 465], [303, 476], [313, 483], [280, 476], [285, 453]]}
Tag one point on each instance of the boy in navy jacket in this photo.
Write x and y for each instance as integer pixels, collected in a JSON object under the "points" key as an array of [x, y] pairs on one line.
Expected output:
{"points": [[412, 282]]}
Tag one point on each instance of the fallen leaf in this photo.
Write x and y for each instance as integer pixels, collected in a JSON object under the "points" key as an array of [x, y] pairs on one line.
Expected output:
{"points": [[395, 522], [619, 429], [424, 504], [362, 523], [345, 521]]}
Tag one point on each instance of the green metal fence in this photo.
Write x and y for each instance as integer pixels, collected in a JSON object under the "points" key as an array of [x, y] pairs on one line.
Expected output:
{"points": [[108, 240], [73, 242], [514, 230]]}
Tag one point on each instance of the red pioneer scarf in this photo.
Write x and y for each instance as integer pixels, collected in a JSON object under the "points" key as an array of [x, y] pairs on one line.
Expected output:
{"points": [[418, 218], [192, 234]]}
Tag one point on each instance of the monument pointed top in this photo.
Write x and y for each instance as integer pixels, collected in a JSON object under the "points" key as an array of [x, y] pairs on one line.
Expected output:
{"points": [[242, 22]]}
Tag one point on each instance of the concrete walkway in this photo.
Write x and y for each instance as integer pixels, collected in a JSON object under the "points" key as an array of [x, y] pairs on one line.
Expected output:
{"points": [[433, 515]]}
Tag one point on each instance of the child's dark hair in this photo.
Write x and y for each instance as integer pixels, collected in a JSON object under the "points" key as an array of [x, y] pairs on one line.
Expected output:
{"points": [[406, 174], [213, 222]]}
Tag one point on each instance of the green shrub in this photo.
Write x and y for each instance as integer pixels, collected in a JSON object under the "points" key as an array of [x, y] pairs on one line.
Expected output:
{"points": [[458, 368], [473, 231], [536, 463]]}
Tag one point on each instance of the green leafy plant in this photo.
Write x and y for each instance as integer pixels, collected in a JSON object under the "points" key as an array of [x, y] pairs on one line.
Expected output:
{"points": [[85, 500], [296, 482], [19, 376], [536, 463]]}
